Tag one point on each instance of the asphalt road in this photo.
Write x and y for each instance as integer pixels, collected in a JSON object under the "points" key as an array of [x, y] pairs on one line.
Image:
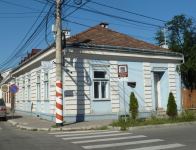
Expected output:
{"points": [[174, 138]]}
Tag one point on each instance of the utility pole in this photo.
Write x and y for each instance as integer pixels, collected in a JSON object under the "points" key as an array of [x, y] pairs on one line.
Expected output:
{"points": [[59, 97]]}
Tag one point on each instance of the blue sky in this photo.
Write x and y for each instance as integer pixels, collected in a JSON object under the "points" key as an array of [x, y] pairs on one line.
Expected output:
{"points": [[16, 21]]}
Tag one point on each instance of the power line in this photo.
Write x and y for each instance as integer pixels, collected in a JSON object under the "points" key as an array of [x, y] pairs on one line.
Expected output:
{"points": [[18, 52], [115, 23], [126, 11], [23, 13], [124, 20], [114, 16], [121, 33], [19, 5], [22, 17]]}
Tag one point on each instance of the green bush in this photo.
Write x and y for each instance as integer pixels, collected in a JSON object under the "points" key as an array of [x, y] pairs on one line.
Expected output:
{"points": [[188, 115], [171, 106], [133, 106]]}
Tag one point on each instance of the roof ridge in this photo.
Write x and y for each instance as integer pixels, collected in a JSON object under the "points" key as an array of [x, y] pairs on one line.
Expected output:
{"points": [[137, 39], [128, 41], [81, 32]]}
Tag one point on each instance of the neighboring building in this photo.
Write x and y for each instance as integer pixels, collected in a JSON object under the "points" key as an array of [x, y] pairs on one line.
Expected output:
{"points": [[7, 96], [93, 90]]}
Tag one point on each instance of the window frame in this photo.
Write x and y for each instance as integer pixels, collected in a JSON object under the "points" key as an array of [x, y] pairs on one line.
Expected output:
{"points": [[23, 89], [46, 86], [100, 80], [29, 87], [38, 84], [18, 84]]}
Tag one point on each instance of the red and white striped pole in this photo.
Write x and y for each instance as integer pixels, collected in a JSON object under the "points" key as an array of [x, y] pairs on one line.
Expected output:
{"points": [[59, 97], [59, 104]]}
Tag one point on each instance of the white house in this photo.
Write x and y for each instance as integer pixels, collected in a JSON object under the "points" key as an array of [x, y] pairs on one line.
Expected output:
{"points": [[93, 90]]}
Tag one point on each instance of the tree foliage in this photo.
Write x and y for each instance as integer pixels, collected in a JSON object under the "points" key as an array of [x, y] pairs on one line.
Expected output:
{"points": [[133, 106], [159, 36], [171, 106], [182, 39]]}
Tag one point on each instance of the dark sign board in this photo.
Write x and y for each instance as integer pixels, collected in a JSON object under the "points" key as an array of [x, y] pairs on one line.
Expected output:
{"points": [[122, 71]]}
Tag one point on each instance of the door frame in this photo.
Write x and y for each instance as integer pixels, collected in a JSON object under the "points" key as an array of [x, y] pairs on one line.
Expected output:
{"points": [[158, 101]]}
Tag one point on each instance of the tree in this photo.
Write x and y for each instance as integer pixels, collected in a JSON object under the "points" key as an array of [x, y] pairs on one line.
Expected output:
{"points": [[182, 39], [133, 106], [159, 36], [171, 106]]}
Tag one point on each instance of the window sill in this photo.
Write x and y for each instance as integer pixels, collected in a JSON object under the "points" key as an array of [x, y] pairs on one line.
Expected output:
{"points": [[101, 99]]}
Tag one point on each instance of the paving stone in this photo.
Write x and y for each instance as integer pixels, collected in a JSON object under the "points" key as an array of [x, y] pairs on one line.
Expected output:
{"points": [[66, 129], [130, 128], [99, 126], [55, 129], [110, 127], [117, 128], [43, 129], [77, 128]]}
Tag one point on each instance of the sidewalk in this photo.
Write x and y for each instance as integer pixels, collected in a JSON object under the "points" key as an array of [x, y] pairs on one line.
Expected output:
{"points": [[32, 123]]}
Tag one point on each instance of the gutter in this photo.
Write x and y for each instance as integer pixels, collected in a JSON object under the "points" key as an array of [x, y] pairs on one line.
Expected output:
{"points": [[121, 49], [103, 47]]}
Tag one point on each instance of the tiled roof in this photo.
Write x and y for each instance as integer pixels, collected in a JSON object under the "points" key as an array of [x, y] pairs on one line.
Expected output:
{"points": [[104, 36]]}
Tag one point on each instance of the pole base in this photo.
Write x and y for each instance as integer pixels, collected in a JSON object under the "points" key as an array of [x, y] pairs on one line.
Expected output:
{"points": [[59, 124]]}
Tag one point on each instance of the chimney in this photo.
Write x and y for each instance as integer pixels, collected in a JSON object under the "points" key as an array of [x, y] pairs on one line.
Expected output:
{"points": [[164, 45], [104, 24], [66, 32]]}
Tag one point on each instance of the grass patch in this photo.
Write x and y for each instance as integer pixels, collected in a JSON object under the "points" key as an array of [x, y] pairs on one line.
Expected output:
{"points": [[102, 128], [54, 126], [185, 116], [23, 128], [33, 129]]}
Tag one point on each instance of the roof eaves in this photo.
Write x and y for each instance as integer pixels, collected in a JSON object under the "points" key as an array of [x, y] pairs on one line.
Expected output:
{"points": [[117, 48], [28, 60]]}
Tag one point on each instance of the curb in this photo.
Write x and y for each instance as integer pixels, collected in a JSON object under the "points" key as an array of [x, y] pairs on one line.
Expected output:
{"points": [[22, 127], [153, 126]]}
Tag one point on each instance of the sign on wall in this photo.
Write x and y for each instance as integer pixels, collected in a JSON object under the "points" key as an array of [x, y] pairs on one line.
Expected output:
{"points": [[5, 88], [47, 64], [123, 72]]}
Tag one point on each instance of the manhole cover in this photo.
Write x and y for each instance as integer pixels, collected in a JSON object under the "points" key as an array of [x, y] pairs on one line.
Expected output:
{"points": [[22, 137]]}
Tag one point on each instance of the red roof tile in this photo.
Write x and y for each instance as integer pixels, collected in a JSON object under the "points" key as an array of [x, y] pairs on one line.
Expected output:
{"points": [[104, 36]]}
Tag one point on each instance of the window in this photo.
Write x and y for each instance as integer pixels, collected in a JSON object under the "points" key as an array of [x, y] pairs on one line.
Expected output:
{"points": [[38, 87], [46, 86], [18, 91], [29, 88], [100, 85], [23, 89]]}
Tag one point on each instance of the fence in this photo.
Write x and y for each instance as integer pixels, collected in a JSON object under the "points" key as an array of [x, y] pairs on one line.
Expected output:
{"points": [[189, 98]]}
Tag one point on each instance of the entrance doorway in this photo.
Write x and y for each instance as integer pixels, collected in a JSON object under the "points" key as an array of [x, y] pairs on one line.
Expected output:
{"points": [[157, 91]]}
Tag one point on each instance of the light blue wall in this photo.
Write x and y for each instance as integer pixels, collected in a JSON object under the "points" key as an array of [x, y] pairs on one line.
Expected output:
{"points": [[99, 107], [164, 84], [29, 105], [135, 74], [18, 105], [23, 105], [46, 106], [39, 106]]}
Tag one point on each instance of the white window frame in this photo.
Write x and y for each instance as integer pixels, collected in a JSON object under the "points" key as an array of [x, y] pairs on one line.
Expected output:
{"points": [[46, 86], [29, 88], [106, 79], [38, 86], [23, 89], [18, 84]]}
